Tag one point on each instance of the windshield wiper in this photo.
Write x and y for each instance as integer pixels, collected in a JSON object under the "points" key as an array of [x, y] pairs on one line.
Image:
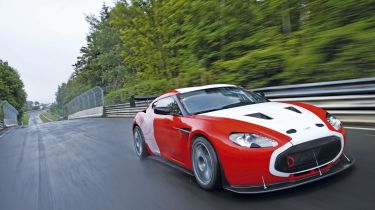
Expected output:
{"points": [[226, 107], [242, 103], [204, 111]]}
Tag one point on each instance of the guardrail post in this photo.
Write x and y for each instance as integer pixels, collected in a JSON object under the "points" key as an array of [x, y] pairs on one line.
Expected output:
{"points": [[132, 101]]}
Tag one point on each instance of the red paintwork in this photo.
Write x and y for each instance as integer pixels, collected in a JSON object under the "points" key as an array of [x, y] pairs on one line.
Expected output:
{"points": [[171, 142], [241, 166]]}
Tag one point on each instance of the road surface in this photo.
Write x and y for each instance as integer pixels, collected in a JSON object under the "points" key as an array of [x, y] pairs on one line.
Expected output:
{"points": [[34, 118], [89, 164]]}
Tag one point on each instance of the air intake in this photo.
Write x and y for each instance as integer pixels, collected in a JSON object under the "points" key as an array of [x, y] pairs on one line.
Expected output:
{"points": [[293, 109], [259, 115]]}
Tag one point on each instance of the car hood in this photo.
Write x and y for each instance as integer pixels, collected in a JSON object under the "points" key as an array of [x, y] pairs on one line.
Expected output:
{"points": [[281, 117]]}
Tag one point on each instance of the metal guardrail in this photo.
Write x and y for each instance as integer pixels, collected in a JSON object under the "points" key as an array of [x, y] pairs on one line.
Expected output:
{"points": [[125, 110], [334, 88], [352, 101], [353, 110]]}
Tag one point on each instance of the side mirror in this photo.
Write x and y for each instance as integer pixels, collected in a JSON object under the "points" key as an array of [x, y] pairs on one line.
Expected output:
{"points": [[162, 110], [175, 113]]}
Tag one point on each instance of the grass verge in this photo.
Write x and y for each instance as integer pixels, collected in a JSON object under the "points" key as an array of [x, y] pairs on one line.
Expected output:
{"points": [[48, 117], [25, 118]]}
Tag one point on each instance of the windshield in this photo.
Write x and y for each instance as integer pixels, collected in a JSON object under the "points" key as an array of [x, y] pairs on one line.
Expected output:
{"points": [[213, 99]]}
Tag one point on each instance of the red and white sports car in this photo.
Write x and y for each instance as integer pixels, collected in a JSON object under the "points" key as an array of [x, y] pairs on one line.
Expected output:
{"points": [[229, 137]]}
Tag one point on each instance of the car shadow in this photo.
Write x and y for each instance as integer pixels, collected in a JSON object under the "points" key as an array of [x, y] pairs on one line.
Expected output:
{"points": [[190, 186]]}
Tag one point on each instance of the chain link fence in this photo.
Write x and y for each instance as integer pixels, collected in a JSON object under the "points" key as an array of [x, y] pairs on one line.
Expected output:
{"points": [[8, 114], [87, 104]]}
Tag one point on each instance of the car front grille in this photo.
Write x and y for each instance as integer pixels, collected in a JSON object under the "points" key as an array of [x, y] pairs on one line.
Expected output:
{"points": [[308, 155]]}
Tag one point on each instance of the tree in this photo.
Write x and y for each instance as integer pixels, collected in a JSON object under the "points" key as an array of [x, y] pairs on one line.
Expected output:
{"points": [[142, 47], [100, 63], [11, 87]]}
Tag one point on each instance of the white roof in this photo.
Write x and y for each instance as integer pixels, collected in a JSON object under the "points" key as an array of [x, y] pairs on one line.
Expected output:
{"points": [[189, 89]]}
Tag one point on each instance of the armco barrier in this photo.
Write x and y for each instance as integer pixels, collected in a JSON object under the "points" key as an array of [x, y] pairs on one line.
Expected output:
{"points": [[358, 110], [352, 101], [2, 126], [124, 110], [334, 88]]}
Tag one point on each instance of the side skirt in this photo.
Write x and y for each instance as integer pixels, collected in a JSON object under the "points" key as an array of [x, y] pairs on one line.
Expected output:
{"points": [[171, 164]]}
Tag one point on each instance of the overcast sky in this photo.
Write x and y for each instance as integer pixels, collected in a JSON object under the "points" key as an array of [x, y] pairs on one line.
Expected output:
{"points": [[42, 38]]}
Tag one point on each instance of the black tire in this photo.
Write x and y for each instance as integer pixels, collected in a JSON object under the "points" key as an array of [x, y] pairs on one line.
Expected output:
{"points": [[206, 166], [139, 143]]}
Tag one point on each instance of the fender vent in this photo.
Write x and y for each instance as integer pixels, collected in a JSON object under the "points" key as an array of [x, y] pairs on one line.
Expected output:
{"points": [[259, 115], [291, 108]]}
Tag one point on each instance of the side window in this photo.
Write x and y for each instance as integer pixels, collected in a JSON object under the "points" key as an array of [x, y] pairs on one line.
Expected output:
{"points": [[166, 106], [175, 110], [162, 103]]}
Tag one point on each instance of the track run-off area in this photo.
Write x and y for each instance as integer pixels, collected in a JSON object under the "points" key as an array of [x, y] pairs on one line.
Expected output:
{"points": [[90, 164]]}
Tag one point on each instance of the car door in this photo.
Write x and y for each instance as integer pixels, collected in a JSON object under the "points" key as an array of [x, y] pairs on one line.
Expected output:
{"points": [[167, 129]]}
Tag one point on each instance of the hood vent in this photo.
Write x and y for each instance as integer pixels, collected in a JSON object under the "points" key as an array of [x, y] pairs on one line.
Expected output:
{"points": [[259, 115], [290, 131], [291, 108]]}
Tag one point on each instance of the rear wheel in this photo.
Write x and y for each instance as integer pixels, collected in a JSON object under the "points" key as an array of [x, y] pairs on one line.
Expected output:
{"points": [[139, 143], [205, 164]]}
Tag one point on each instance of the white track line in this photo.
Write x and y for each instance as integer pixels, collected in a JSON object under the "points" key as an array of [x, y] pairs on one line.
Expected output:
{"points": [[49, 120], [5, 133], [358, 128]]}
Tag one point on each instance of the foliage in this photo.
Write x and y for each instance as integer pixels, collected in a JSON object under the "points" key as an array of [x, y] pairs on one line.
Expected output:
{"points": [[48, 117], [143, 47], [11, 87], [25, 118], [43, 118]]}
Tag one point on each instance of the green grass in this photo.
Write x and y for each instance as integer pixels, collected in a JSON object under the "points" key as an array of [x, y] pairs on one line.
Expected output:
{"points": [[25, 118], [48, 117], [43, 118]]}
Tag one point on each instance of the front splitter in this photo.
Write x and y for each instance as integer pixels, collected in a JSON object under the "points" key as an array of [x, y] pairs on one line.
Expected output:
{"points": [[344, 163]]}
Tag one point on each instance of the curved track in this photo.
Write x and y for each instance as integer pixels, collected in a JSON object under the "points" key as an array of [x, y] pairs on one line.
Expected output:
{"points": [[90, 164], [34, 118]]}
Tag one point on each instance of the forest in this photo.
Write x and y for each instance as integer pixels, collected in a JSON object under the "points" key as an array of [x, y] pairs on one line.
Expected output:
{"points": [[11, 87], [142, 47]]}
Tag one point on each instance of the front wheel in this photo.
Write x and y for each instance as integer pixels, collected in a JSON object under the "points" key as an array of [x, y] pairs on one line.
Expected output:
{"points": [[139, 143], [205, 164]]}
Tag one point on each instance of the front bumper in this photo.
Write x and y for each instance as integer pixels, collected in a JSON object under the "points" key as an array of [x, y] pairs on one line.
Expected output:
{"points": [[344, 162]]}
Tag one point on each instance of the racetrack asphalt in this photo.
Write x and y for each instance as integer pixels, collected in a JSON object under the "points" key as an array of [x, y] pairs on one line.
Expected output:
{"points": [[90, 164], [34, 117]]}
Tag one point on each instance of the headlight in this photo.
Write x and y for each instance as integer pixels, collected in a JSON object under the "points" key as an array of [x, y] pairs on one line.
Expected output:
{"points": [[252, 140], [334, 121]]}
